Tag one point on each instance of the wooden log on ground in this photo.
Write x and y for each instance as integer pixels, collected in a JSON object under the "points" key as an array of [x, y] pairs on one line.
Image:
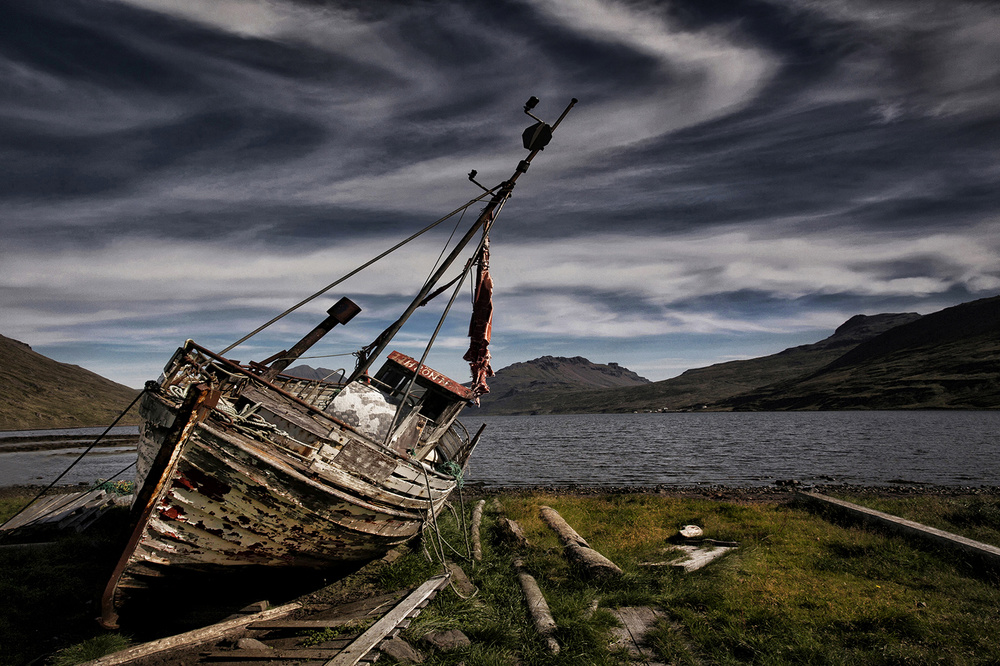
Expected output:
{"points": [[577, 548], [538, 608], [985, 553], [191, 638], [477, 518]]}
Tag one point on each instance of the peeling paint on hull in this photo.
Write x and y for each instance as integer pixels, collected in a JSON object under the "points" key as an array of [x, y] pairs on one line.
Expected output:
{"points": [[224, 490]]}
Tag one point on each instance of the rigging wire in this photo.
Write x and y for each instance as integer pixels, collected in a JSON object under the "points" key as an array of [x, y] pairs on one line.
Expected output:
{"points": [[352, 273]]}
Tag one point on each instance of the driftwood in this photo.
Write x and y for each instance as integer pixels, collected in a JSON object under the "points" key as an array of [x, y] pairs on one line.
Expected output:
{"points": [[191, 638], [577, 548], [477, 518], [513, 532], [983, 552], [695, 557], [541, 616]]}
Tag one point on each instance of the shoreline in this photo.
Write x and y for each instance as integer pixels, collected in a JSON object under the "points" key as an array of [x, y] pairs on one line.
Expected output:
{"points": [[784, 491]]}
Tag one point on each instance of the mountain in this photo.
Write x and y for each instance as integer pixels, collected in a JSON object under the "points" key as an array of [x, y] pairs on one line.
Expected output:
{"points": [[37, 392], [946, 360], [519, 387], [511, 394]]}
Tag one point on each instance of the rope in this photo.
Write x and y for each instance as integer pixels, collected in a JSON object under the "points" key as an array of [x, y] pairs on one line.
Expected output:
{"points": [[454, 470], [352, 273], [78, 459], [430, 509]]}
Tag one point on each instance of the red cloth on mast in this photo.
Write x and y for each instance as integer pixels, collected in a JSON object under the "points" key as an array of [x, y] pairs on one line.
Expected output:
{"points": [[481, 326]]}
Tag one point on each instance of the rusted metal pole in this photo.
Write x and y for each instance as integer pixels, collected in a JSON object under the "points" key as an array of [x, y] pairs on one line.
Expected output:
{"points": [[342, 312]]}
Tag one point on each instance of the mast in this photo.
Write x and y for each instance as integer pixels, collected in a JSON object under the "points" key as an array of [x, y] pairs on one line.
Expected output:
{"points": [[535, 139]]}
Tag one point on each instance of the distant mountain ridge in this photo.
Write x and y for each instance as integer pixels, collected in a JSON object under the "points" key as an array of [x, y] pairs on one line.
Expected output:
{"points": [[946, 360], [692, 389], [37, 392]]}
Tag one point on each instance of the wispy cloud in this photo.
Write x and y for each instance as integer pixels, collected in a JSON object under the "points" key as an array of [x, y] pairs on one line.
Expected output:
{"points": [[732, 178]]}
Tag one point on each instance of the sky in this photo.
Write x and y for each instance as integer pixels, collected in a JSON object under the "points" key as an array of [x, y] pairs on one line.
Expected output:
{"points": [[736, 179]]}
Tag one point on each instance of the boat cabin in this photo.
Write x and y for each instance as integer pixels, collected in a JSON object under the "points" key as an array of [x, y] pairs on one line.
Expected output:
{"points": [[420, 424]]}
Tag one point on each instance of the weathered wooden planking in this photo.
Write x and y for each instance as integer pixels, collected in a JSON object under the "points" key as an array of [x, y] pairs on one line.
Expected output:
{"points": [[636, 622], [699, 556], [293, 654], [983, 551], [369, 640], [304, 624], [77, 510], [191, 638]]}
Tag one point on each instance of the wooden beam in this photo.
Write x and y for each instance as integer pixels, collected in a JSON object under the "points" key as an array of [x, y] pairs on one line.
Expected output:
{"points": [[369, 640], [191, 638], [577, 547], [538, 608], [477, 519], [305, 624], [983, 551]]}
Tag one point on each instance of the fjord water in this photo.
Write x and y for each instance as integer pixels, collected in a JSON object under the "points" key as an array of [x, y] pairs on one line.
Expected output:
{"points": [[955, 448]]}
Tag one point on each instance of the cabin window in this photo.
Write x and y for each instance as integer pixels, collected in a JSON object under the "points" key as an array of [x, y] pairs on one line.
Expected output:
{"points": [[393, 379], [434, 405]]}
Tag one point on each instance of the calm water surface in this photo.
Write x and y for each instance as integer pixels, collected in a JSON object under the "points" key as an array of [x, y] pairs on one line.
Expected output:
{"points": [[739, 449], [735, 449]]}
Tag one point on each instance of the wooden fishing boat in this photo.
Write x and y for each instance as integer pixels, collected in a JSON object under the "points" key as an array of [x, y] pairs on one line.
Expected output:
{"points": [[242, 466]]}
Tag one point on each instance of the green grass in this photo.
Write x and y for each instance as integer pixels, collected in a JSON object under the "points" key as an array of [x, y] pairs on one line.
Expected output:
{"points": [[799, 590]]}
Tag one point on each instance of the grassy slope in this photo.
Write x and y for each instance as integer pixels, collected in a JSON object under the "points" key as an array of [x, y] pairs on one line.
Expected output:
{"points": [[691, 389], [37, 392], [949, 359]]}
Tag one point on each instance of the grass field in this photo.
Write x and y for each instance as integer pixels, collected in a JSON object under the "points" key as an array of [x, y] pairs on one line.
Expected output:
{"points": [[798, 590]]}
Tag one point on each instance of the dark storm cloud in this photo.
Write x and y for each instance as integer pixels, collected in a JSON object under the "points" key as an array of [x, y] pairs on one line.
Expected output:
{"points": [[733, 169]]}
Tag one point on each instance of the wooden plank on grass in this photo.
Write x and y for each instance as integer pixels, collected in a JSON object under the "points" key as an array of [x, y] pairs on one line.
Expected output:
{"points": [[191, 638], [984, 551], [294, 654], [369, 640], [305, 624]]}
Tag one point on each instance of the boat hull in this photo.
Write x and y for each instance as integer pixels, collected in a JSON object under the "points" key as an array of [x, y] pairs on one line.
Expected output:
{"points": [[222, 493]]}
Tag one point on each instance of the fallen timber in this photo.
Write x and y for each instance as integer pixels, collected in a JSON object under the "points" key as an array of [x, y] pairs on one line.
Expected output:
{"points": [[275, 633], [577, 548], [66, 511], [983, 552]]}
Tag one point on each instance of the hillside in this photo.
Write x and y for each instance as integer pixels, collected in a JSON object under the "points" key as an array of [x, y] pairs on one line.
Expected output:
{"points": [[946, 360], [518, 388], [693, 388], [37, 392]]}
